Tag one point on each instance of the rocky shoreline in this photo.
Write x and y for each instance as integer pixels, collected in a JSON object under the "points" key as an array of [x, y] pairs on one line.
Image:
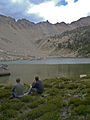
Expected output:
{"points": [[21, 57]]}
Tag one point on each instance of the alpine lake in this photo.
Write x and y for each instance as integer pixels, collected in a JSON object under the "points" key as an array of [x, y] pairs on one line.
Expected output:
{"points": [[26, 70]]}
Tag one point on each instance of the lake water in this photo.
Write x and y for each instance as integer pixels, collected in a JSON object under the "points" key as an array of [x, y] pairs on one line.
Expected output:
{"points": [[46, 68]]}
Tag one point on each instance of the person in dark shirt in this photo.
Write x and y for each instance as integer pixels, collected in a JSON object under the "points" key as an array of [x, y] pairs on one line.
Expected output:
{"points": [[37, 86]]}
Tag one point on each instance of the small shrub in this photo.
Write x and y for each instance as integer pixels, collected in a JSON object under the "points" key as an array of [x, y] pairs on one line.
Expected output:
{"points": [[10, 113], [4, 107], [65, 79], [17, 106], [81, 86], [47, 85], [86, 77], [12, 105], [88, 90], [2, 117], [22, 117], [27, 99], [8, 87], [82, 110], [5, 93], [26, 87], [1, 86], [56, 101], [54, 91], [86, 101], [72, 86], [72, 117], [61, 86], [88, 117], [75, 101], [88, 85], [36, 103], [50, 116], [15, 100], [37, 112]]}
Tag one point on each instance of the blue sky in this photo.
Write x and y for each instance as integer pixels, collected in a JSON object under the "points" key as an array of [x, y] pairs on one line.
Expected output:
{"points": [[41, 10]]}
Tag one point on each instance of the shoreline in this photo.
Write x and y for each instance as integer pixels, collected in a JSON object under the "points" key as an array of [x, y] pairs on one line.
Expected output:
{"points": [[43, 58]]}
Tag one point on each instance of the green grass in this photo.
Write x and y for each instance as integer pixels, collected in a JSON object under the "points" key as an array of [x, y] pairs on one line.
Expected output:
{"points": [[63, 99]]}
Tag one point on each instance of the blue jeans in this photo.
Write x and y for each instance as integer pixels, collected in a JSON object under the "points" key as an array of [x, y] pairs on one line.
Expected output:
{"points": [[13, 95], [31, 90]]}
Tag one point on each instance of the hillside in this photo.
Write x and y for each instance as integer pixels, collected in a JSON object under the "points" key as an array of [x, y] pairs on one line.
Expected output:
{"points": [[63, 99], [74, 43], [18, 38]]}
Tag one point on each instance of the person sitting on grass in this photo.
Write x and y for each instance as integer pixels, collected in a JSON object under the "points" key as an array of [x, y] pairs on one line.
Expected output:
{"points": [[37, 86], [18, 89]]}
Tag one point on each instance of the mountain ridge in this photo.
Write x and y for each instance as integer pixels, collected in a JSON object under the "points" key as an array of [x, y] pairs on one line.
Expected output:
{"points": [[23, 19], [18, 38]]}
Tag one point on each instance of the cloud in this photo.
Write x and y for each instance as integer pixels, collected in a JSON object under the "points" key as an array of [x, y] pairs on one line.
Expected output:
{"points": [[36, 1], [41, 10], [18, 10], [14, 9], [72, 11]]}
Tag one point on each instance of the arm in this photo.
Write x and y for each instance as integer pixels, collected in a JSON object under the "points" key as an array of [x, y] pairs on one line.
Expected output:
{"points": [[13, 89], [33, 85]]}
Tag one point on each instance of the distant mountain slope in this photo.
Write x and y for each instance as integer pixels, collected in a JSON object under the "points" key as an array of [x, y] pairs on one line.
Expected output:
{"points": [[18, 38], [74, 43]]}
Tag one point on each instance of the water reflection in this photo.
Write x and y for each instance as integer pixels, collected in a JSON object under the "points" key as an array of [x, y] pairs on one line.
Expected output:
{"points": [[27, 72], [4, 80]]}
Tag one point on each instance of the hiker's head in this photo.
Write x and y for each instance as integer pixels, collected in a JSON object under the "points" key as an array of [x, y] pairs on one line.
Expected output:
{"points": [[18, 80], [36, 78]]}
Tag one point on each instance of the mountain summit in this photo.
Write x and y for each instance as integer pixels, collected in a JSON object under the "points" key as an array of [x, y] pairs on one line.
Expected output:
{"points": [[23, 39]]}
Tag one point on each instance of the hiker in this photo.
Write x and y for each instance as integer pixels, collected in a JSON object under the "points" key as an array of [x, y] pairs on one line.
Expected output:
{"points": [[37, 86], [18, 89]]}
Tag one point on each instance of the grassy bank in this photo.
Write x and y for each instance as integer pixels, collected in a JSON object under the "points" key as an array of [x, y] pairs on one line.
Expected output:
{"points": [[63, 99]]}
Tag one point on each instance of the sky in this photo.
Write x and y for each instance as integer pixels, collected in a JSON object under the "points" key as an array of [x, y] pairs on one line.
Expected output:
{"points": [[42, 10]]}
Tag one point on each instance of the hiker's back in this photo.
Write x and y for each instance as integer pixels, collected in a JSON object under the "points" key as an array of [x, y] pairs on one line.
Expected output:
{"points": [[39, 86], [19, 89]]}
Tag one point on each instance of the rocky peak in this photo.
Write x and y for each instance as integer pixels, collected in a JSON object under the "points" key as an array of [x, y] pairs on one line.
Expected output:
{"points": [[6, 19], [45, 23], [85, 21], [61, 24], [25, 23]]}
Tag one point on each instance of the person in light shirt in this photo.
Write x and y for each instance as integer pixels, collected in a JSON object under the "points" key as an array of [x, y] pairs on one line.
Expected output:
{"points": [[18, 89]]}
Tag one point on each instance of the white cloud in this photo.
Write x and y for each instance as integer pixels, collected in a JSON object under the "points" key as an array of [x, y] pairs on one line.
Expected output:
{"points": [[71, 12], [15, 1], [69, 1]]}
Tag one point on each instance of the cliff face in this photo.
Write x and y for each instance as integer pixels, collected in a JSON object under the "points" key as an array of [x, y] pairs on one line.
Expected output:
{"points": [[24, 39]]}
